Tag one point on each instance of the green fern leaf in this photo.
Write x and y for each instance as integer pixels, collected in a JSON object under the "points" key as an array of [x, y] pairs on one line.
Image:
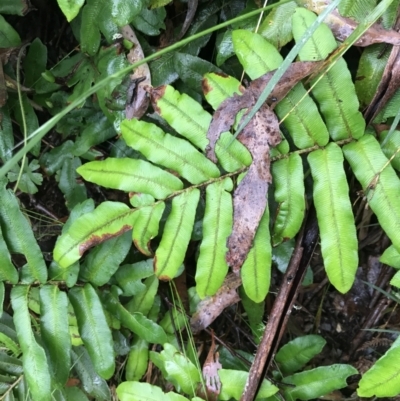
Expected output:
{"points": [[138, 359], [19, 236], [54, 331], [258, 57], [91, 382], [382, 188], [143, 301], [335, 218], [168, 151], [93, 328], [90, 35], [277, 27], [36, 369], [191, 121], [183, 114], [178, 229], [382, 379], [256, 270], [289, 193], [136, 322], [317, 382], [335, 91], [131, 175], [217, 225], [129, 277], [146, 226], [8, 272], [103, 261], [108, 220]]}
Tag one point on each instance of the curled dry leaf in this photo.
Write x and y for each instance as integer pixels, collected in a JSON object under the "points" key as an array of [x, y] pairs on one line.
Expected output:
{"points": [[210, 372], [137, 99], [343, 27], [211, 307], [261, 133]]}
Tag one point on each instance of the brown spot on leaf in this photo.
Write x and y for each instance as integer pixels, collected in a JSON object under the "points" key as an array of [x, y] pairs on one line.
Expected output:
{"points": [[155, 95], [98, 239]]}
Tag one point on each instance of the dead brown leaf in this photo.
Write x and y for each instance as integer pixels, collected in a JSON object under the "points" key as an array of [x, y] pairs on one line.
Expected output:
{"points": [[261, 133], [137, 99], [211, 307]]}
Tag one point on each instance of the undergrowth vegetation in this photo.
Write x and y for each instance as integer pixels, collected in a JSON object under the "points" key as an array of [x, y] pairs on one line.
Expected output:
{"points": [[161, 164]]}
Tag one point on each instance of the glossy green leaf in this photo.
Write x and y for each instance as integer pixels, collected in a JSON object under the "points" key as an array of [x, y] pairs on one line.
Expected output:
{"points": [[391, 147], [8, 35], [93, 328], [54, 331], [11, 365], [233, 382], [91, 382], [131, 175], [335, 91], [339, 245], [382, 379], [135, 391], [143, 301], [144, 328], [73, 190], [191, 69], [294, 355], [224, 47], [19, 236], [70, 8], [391, 257], [369, 73], [381, 188], [174, 321], [138, 359], [150, 22], [256, 270], [277, 26], [177, 369], [217, 226], [123, 12], [289, 193], [129, 277], [103, 261], [258, 57], [146, 226], [35, 62], [8, 272], [169, 151], [36, 369], [317, 382], [89, 34], [177, 232], [108, 220]]}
